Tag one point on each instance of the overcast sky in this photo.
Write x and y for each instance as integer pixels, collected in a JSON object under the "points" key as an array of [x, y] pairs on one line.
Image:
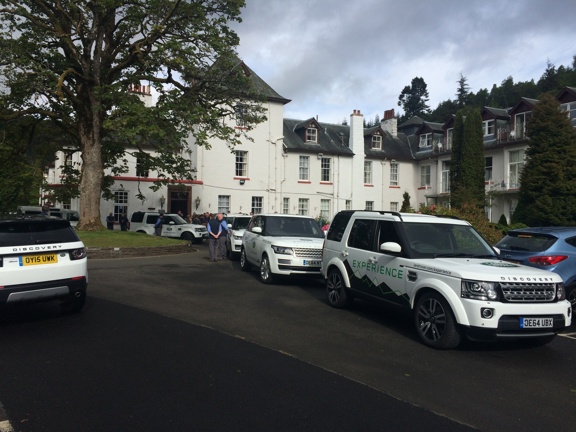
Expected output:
{"points": [[331, 57]]}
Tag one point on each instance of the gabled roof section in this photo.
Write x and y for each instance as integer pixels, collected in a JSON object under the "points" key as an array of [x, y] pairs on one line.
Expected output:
{"points": [[496, 113], [567, 94], [430, 127], [525, 104], [261, 86], [310, 123], [411, 122]]}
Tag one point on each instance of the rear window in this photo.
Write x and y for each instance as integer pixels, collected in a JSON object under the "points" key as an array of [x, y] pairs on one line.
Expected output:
{"points": [[26, 232], [526, 242]]}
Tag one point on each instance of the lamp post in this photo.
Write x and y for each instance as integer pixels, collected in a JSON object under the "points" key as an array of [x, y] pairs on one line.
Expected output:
{"points": [[197, 202]]}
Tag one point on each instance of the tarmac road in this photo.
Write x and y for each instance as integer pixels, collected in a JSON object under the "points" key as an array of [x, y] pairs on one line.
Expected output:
{"points": [[178, 343]]}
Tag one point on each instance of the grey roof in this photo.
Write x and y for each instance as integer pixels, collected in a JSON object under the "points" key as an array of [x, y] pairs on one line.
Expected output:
{"points": [[498, 112], [334, 140], [261, 86]]}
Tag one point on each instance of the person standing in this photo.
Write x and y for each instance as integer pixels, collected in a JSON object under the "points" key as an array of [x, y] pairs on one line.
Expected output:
{"points": [[222, 237], [158, 224], [110, 221], [214, 231], [124, 224]]}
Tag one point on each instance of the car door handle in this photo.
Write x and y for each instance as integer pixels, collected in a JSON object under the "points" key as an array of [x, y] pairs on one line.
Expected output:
{"points": [[344, 253], [372, 260]]}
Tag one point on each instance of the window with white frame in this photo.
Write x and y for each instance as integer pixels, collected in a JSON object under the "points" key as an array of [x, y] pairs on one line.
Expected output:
{"points": [[68, 158], [325, 170], [223, 203], [377, 141], [425, 176], [426, 140], [141, 166], [488, 127], [445, 176], [515, 165], [120, 203], [393, 173], [286, 205], [570, 109], [311, 135], [520, 124], [257, 204], [241, 169], [449, 138], [394, 206], [325, 209], [488, 169], [368, 172], [369, 205], [304, 168], [303, 206]]}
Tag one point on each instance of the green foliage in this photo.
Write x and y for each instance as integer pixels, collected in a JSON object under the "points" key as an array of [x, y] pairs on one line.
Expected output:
{"points": [[406, 207], [548, 180], [490, 231], [467, 163], [322, 220], [414, 99]]}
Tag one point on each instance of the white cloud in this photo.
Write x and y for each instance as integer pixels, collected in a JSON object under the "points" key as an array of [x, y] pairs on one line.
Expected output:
{"points": [[333, 56]]}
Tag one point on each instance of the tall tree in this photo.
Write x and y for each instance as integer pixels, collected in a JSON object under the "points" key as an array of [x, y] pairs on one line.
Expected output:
{"points": [[548, 180], [467, 164], [463, 92], [414, 99], [73, 61]]}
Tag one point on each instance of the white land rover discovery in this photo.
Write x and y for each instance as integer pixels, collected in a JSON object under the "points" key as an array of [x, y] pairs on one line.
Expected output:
{"points": [[445, 273], [280, 244]]}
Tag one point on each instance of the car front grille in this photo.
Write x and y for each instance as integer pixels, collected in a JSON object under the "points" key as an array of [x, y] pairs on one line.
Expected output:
{"points": [[527, 292], [308, 253]]}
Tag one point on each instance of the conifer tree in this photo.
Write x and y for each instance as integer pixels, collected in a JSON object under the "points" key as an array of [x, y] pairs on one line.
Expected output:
{"points": [[548, 180]]}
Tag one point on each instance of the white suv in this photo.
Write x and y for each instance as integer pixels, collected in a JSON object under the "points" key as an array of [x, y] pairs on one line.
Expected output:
{"points": [[172, 226], [237, 224], [445, 273], [280, 244], [41, 259]]}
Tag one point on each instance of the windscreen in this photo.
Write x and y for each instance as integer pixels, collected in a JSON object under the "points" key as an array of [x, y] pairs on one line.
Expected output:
{"points": [[526, 242]]}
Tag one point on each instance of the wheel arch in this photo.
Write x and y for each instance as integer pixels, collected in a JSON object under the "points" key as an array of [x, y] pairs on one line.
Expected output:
{"points": [[445, 291], [336, 264]]}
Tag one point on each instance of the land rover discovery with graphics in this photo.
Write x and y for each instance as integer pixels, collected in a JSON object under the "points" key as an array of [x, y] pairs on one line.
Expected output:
{"points": [[41, 259], [280, 244], [172, 226], [445, 273]]}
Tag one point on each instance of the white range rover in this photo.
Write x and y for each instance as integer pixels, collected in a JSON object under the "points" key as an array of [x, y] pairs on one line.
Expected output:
{"points": [[445, 273], [280, 244]]}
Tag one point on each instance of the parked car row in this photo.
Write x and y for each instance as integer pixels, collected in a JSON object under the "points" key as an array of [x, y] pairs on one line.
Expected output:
{"points": [[440, 269]]}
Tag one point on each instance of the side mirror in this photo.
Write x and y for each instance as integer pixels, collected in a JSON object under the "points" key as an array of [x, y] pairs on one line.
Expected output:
{"points": [[257, 230], [391, 247]]}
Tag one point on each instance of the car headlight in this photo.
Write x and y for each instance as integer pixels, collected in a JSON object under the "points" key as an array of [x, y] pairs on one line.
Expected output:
{"points": [[237, 237], [281, 250], [560, 292], [479, 290]]}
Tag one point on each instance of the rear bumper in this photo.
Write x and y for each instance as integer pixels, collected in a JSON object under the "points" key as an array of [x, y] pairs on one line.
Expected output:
{"points": [[44, 291]]}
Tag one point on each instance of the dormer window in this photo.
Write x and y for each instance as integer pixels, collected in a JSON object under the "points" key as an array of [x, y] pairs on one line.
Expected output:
{"points": [[426, 140], [311, 135], [488, 126], [377, 141]]}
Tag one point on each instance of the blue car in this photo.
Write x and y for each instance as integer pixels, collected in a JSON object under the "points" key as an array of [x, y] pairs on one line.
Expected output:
{"points": [[549, 248]]}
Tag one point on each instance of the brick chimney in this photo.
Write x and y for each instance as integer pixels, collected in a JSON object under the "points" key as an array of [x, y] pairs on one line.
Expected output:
{"points": [[390, 123]]}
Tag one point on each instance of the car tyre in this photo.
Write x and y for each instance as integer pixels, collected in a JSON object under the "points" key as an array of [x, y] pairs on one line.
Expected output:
{"points": [[435, 322], [266, 274], [187, 236], [336, 291], [244, 264]]}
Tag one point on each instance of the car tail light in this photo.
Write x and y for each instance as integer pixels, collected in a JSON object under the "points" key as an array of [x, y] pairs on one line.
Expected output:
{"points": [[77, 254], [546, 260]]}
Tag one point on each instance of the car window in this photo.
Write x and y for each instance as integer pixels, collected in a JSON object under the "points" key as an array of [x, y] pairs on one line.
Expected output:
{"points": [[284, 226], [362, 234], [571, 241], [388, 233], [526, 242], [338, 226], [240, 223], [29, 233]]}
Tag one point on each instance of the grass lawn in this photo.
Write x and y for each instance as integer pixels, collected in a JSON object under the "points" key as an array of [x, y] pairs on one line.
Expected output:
{"points": [[108, 238]]}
